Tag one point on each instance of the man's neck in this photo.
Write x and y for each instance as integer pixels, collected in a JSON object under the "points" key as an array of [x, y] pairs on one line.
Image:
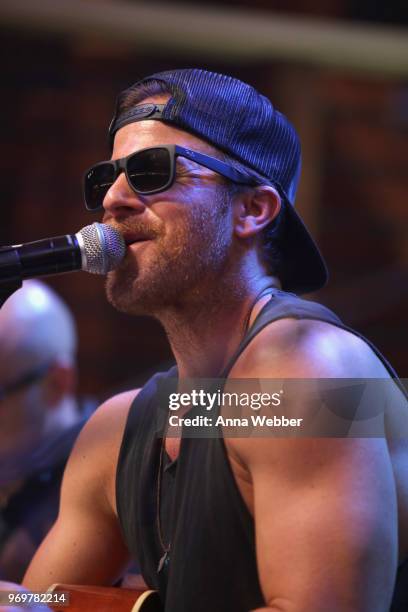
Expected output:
{"points": [[205, 335]]}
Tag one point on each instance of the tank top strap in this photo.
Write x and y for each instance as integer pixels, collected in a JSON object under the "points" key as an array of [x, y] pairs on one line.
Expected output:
{"points": [[284, 305], [281, 305], [137, 469]]}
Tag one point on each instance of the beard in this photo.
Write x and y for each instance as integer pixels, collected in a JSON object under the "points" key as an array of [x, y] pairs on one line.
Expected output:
{"points": [[174, 269]]}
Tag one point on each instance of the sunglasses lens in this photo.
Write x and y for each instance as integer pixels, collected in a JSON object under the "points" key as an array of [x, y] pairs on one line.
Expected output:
{"points": [[149, 170], [97, 182]]}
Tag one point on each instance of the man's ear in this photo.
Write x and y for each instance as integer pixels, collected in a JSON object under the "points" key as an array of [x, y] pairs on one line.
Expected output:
{"points": [[255, 209]]}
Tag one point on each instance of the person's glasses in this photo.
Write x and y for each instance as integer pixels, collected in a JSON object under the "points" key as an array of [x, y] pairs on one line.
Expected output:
{"points": [[149, 171], [25, 380]]}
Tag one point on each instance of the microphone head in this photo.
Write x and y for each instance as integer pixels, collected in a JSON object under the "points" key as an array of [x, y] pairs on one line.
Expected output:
{"points": [[102, 248]]}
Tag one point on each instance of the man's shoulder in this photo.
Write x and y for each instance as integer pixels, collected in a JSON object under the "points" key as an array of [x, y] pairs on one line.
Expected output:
{"points": [[110, 415], [103, 431], [93, 460], [108, 422], [307, 348]]}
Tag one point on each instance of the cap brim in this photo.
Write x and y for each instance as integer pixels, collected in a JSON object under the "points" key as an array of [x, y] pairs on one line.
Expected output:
{"points": [[304, 269]]}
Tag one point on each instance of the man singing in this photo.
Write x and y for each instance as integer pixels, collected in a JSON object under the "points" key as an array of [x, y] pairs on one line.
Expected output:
{"points": [[201, 184]]}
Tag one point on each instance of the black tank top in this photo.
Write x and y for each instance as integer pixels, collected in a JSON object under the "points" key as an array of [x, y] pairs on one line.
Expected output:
{"points": [[212, 560]]}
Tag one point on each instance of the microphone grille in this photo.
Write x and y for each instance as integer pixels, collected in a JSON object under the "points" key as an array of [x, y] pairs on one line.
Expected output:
{"points": [[102, 248]]}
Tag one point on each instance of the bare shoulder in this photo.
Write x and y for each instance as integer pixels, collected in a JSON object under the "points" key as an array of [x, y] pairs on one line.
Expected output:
{"points": [[307, 349], [302, 349], [108, 421], [95, 454]]}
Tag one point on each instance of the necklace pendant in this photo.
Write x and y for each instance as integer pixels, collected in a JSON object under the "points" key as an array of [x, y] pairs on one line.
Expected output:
{"points": [[164, 560]]}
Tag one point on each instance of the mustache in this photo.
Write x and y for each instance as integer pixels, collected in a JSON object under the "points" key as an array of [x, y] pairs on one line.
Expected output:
{"points": [[137, 229]]}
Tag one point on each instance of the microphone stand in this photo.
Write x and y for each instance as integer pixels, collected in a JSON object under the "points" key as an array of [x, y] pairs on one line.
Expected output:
{"points": [[11, 278]]}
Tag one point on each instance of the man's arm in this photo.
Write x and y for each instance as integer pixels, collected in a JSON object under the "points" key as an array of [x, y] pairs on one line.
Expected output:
{"points": [[325, 509], [85, 545]]}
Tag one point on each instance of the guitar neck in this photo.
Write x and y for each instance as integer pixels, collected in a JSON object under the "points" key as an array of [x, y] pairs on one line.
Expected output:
{"points": [[85, 598]]}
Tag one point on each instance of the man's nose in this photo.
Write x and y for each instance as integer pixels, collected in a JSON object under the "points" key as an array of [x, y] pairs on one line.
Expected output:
{"points": [[120, 198]]}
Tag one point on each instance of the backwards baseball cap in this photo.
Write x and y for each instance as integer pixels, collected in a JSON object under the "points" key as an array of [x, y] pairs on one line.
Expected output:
{"points": [[233, 117]]}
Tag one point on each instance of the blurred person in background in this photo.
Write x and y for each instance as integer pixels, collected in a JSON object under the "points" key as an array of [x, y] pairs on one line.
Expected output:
{"points": [[39, 418]]}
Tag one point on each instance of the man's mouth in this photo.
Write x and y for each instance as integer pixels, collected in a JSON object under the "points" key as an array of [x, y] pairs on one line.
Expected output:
{"points": [[131, 238]]}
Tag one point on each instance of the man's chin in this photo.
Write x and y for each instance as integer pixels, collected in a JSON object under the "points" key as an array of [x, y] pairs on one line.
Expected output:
{"points": [[128, 295], [119, 292]]}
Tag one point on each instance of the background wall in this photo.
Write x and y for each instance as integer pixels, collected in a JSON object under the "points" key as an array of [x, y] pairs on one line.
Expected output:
{"points": [[57, 97]]}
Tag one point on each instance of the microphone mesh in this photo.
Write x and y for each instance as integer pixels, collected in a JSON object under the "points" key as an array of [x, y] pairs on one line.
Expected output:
{"points": [[103, 248]]}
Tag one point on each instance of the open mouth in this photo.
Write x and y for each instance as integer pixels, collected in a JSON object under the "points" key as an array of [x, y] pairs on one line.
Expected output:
{"points": [[134, 238]]}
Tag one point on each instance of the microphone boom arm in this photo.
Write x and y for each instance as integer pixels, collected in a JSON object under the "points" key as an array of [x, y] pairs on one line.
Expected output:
{"points": [[11, 264]]}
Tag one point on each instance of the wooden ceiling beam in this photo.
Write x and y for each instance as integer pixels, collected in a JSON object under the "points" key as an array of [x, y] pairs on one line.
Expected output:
{"points": [[226, 34]]}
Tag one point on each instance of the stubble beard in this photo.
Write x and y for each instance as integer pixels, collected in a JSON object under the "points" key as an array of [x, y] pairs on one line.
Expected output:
{"points": [[182, 270]]}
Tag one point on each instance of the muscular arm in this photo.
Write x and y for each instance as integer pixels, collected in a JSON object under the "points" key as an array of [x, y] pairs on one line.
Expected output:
{"points": [[324, 508], [85, 545]]}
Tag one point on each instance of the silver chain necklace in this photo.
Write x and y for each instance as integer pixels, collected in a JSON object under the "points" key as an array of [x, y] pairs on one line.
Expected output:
{"points": [[165, 557]]}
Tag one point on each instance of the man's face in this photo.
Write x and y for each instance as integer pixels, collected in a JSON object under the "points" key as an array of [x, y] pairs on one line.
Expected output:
{"points": [[183, 235]]}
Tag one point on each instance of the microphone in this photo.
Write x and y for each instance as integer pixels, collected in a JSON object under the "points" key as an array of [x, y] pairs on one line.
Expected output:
{"points": [[96, 248]]}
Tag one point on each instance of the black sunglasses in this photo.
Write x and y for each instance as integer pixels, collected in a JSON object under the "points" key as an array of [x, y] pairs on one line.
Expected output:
{"points": [[25, 380], [149, 171]]}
